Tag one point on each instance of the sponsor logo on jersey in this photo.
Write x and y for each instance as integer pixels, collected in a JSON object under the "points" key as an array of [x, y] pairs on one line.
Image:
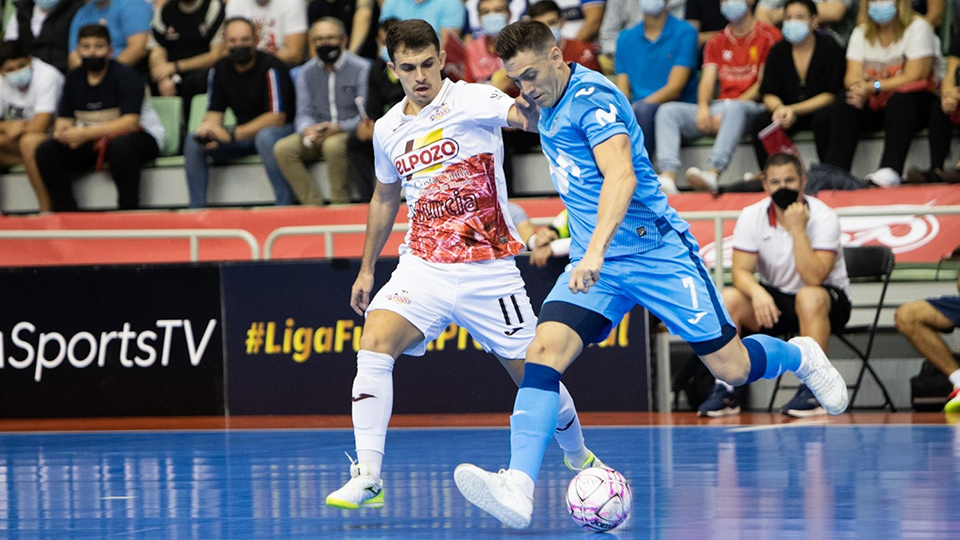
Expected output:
{"points": [[606, 117], [441, 111], [362, 397], [513, 331], [430, 155], [696, 319], [584, 92], [402, 297], [454, 205]]}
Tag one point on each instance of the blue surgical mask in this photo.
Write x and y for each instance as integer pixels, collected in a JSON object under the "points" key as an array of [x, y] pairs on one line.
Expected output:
{"points": [[384, 55], [555, 30], [19, 78], [493, 23], [47, 5], [882, 12], [652, 7], [795, 31], [733, 10]]}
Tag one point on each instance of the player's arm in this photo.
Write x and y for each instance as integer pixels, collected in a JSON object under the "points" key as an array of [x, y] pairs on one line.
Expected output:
{"points": [[615, 162], [812, 265], [380, 218], [523, 115], [742, 273]]}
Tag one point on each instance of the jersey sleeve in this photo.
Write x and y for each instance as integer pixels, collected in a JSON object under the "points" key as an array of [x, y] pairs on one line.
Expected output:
{"points": [[596, 112], [825, 231], [48, 96], [487, 105], [745, 233], [383, 164]]}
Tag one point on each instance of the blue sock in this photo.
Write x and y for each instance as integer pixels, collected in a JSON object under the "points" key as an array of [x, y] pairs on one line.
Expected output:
{"points": [[534, 418], [769, 356]]}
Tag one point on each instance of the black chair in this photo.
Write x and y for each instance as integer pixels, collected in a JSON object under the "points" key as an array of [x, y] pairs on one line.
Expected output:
{"points": [[865, 264]]}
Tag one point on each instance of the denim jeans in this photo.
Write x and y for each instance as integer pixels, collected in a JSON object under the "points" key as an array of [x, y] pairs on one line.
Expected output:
{"points": [[198, 168], [646, 114], [676, 121]]}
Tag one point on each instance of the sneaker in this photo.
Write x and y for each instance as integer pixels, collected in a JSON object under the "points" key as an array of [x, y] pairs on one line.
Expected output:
{"points": [[497, 494], [885, 177], [702, 180], [667, 185], [953, 402], [361, 491], [720, 402], [803, 404], [821, 377], [591, 461]]}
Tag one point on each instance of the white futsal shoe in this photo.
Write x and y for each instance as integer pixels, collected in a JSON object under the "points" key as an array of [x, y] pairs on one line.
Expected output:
{"points": [[821, 377], [497, 494], [362, 490]]}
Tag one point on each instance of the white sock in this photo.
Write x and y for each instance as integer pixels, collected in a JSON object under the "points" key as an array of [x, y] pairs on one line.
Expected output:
{"points": [[372, 406], [569, 433], [523, 480], [955, 378], [726, 385]]}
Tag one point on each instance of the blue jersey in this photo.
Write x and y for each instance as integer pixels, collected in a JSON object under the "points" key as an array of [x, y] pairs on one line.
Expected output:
{"points": [[590, 111]]}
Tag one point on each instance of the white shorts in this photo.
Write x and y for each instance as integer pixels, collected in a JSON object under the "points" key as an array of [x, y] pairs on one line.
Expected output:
{"points": [[487, 298]]}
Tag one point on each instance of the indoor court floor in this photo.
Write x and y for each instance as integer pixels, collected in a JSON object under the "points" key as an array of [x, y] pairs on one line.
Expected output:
{"points": [[769, 480]]}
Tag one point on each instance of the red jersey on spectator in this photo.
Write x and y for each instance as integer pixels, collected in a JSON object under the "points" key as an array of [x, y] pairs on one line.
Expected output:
{"points": [[480, 63], [580, 52], [738, 60]]}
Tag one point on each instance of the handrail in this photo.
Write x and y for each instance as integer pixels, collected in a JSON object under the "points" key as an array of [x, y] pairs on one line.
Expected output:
{"points": [[111, 234]]}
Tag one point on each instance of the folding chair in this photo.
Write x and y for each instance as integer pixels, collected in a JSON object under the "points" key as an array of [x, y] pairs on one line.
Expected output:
{"points": [[865, 264]]}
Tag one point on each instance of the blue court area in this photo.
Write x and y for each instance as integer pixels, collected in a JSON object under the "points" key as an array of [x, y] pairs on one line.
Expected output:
{"points": [[777, 482]]}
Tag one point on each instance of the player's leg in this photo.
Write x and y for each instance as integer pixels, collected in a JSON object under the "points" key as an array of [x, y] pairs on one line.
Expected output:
{"points": [[722, 400], [922, 322]]}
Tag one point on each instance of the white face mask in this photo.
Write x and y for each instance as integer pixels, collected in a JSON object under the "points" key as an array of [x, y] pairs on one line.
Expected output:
{"points": [[652, 7], [19, 78]]}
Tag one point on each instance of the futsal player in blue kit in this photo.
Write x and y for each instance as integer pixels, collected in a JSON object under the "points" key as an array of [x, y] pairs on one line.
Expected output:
{"points": [[629, 247]]}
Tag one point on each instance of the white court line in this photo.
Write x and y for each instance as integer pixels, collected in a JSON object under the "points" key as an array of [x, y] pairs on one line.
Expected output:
{"points": [[117, 497], [799, 423]]}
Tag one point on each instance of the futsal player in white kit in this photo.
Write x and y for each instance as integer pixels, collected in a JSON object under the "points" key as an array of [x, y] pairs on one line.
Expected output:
{"points": [[442, 144]]}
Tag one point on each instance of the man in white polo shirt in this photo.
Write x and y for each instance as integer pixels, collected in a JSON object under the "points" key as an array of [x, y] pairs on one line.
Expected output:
{"points": [[803, 289]]}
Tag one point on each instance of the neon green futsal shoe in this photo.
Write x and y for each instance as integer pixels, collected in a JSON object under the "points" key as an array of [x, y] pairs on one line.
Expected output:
{"points": [[591, 461], [953, 402], [362, 490]]}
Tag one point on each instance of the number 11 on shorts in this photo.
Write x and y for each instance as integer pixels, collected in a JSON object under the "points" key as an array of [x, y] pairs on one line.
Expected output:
{"points": [[688, 283]]}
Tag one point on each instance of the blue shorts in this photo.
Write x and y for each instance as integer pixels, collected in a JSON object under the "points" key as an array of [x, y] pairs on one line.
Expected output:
{"points": [[949, 306], [671, 281]]}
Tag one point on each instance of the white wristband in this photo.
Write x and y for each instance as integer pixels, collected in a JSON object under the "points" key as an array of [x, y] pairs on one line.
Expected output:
{"points": [[532, 242]]}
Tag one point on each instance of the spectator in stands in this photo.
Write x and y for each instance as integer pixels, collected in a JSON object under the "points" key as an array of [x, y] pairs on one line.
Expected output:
{"points": [[447, 17], [29, 95], [359, 17], [922, 322], [931, 10], [836, 17], [185, 43], [944, 116], [328, 87], [733, 59], [659, 66], [705, 16], [128, 22], [573, 50], [256, 86], [282, 26], [104, 116], [383, 92], [804, 72], [472, 28], [794, 241], [582, 19], [43, 26], [888, 80], [482, 65], [618, 15]]}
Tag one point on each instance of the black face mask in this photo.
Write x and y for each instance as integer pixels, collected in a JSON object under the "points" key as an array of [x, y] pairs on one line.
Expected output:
{"points": [[94, 63], [241, 55], [784, 197], [328, 54]]}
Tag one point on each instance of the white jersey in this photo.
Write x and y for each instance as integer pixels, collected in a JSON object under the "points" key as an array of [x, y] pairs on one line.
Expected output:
{"points": [[42, 95], [276, 19], [449, 158], [757, 231]]}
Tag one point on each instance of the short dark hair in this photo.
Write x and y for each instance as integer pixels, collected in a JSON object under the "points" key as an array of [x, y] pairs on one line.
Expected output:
{"points": [[387, 24], [525, 35], [412, 34], [809, 4], [783, 158], [12, 50], [231, 20], [542, 8], [506, 2], [94, 31]]}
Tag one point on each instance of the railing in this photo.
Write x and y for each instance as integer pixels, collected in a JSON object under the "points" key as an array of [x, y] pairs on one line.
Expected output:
{"points": [[193, 234]]}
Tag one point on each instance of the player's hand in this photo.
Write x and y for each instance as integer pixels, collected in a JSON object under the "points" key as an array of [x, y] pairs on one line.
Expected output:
{"points": [[795, 217], [586, 274], [765, 309], [546, 235], [365, 130], [360, 293], [540, 256], [528, 112]]}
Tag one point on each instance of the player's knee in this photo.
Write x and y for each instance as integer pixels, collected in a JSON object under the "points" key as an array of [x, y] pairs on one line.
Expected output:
{"points": [[541, 352], [812, 302], [906, 316]]}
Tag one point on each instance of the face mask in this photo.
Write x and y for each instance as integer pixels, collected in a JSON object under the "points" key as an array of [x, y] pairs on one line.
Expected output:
{"points": [[882, 12], [47, 5], [19, 78], [795, 31], [94, 63], [784, 197], [652, 7], [384, 55], [241, 55], [555, 30], [733, 10], [328, 53], [493, 23]]}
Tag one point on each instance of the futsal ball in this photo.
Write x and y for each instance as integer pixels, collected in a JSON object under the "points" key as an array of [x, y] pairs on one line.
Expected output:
{"points": [[599, 499]]}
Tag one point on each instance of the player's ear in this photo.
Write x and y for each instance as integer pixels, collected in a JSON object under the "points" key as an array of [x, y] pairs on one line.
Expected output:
{"points": [[443, 58]]}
